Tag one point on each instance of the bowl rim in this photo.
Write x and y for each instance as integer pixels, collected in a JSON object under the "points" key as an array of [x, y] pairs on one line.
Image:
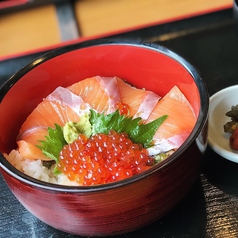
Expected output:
{"points": [[201, 119]]}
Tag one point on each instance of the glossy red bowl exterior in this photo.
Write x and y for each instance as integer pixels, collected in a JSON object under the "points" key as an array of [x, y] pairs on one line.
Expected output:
{"points": [[122, 206]]}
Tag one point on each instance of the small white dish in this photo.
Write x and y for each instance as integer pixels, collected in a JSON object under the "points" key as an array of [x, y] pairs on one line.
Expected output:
{"points": [[220, 104]]}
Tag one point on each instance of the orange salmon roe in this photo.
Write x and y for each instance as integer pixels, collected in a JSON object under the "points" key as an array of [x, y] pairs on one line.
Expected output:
{"points": [[123, 108], [103, 158]]}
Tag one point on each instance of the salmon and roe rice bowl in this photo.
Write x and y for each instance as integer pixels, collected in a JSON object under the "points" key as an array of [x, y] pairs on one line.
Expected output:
{"points": [[103, 137], [100, 130]]}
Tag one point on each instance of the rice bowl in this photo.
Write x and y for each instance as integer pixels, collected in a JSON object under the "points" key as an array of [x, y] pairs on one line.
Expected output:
{"points": [[106, 209]]}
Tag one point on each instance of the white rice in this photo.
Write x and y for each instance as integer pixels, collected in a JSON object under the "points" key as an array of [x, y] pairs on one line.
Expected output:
{"points": [[35, 169]]}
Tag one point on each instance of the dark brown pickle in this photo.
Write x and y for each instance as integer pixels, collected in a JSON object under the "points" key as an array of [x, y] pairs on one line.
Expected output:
{"points": [[232, 127]]}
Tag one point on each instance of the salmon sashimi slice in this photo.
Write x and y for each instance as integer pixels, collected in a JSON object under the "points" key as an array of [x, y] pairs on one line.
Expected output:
{"points": [[100, 92], [179, 124], [29, 139], [65, 97], [140, 102], [59, 107]]}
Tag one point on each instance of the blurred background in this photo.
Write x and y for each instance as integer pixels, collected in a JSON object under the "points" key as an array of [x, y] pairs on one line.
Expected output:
{"points": [[29, 25]]}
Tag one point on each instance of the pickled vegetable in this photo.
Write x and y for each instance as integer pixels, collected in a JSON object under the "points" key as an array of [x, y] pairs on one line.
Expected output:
{"points": [[232, 127]]}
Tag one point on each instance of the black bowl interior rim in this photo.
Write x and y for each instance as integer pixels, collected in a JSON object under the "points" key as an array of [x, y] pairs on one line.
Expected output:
{"points": [[202, 117]]}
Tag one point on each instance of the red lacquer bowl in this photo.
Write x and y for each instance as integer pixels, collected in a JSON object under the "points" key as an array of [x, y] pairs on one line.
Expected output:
{"points": [[118, 207]]}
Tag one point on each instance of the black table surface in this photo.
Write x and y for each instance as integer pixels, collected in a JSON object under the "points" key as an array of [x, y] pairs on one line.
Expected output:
{"points": [[210, 209]]}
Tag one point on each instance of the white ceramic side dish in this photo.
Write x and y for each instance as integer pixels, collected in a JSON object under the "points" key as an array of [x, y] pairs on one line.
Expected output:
{"points": [[220, 103]]}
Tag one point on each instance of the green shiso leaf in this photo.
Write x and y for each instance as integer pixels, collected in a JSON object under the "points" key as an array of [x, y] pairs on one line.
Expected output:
{"points": [[137, 131], [145, 133], [53, 144]]}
